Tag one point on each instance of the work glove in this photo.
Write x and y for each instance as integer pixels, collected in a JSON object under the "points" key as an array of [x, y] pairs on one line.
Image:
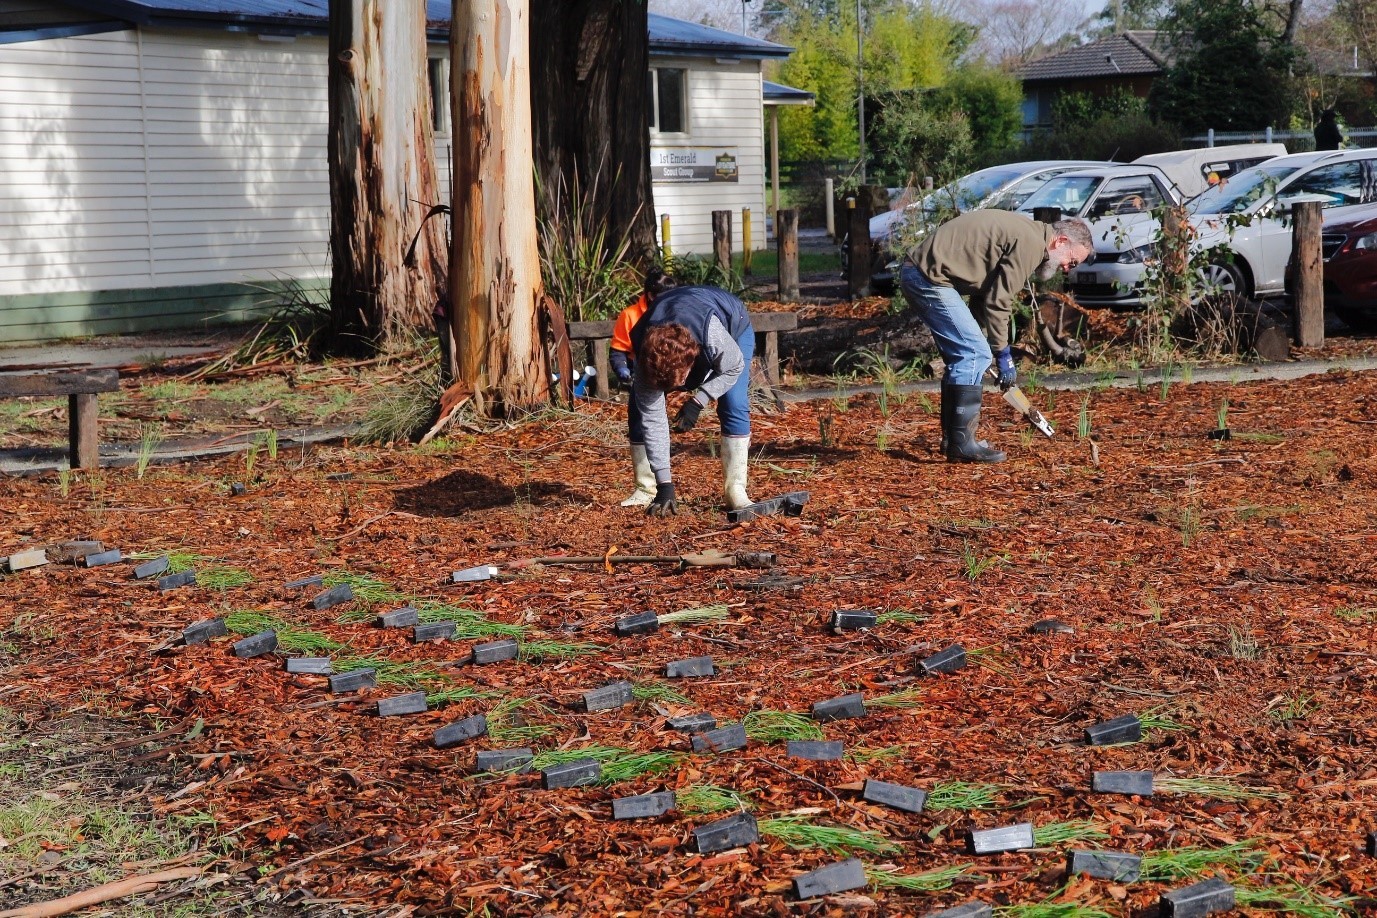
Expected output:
{"points": [[687, 416], [624, 378], [664, 503], [1008, 373]]}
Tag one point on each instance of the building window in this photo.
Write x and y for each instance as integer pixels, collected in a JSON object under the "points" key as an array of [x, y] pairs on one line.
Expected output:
{"points": [[668, 100], [438, 73]]}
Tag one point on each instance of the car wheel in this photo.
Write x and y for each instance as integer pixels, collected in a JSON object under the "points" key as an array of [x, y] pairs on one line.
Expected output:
{"points": [[1224, 278], [1359, 320]]}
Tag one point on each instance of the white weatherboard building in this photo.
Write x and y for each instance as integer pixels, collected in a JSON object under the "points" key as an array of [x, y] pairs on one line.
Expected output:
{"points": [[163, 162]]}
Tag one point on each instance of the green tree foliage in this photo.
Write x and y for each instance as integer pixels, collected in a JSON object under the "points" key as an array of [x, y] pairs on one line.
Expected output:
{"points": [[1232, 72], [1115, 126], [914, 138], [906, 46], [992, 101]]}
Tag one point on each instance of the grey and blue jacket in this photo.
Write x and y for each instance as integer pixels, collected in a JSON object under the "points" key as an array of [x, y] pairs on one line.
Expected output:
{"points": [[716, 319]]}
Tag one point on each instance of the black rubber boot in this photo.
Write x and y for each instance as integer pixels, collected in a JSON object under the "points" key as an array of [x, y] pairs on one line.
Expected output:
{"points": [[948, 401], [962, 419]]}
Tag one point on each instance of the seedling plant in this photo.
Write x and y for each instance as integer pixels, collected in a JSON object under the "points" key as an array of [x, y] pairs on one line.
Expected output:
{"points": [[778, 726], [797, 831]]}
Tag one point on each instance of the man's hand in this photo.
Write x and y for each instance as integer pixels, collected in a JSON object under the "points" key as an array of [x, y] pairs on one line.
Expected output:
{"points": [[624, 378], [664, 503], [687, 416], [1008, 373]]}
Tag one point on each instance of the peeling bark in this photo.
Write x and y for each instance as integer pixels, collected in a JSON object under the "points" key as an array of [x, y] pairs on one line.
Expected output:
{"points": [[382, 174], [495, 278]]}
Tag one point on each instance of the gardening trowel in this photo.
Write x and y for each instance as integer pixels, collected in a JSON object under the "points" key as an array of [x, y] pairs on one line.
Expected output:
{"points": [[1015, 397]]}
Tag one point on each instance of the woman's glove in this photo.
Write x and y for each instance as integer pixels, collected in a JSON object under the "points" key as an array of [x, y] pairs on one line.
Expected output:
{"points": [[664, 503], [687, 416]]}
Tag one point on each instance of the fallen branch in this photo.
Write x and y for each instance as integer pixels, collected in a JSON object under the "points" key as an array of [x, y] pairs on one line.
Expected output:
{"points": [[120, 889]]}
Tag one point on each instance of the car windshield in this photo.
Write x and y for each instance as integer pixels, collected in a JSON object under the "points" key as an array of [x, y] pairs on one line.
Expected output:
{"points": [[1239, 192], [1069, 192], [967, 192]]}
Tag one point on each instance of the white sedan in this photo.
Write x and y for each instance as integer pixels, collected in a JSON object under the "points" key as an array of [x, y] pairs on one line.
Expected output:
{"points": [[1248, 214]]}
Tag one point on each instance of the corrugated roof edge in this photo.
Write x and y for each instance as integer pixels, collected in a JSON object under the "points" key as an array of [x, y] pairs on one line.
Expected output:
{"points": [[667, 34]]}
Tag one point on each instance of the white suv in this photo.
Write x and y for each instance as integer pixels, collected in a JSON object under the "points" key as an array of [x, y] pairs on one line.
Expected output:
{"points": [[1261, 246]]}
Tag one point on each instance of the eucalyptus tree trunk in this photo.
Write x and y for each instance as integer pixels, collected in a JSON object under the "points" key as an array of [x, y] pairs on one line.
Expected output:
{"points": [[495, 284], [592, 116], [382, 174]]}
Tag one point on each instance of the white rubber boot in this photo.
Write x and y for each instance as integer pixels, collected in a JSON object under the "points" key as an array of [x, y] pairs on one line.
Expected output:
{"points": [[645, 478], [735, 452]]}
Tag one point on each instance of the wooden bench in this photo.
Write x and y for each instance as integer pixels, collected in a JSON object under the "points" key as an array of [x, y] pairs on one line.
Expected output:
{"points": [[81, 388], [767, 327]]}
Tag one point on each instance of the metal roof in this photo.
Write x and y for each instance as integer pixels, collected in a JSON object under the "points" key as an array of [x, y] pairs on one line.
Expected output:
{"points": [[667, 35], [779, 94], [1136, 53]]}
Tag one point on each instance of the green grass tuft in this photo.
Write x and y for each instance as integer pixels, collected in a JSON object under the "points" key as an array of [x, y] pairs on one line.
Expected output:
{"points": [[1061, 833], [289, 637], [1155, 719], [560, 756], [908, 698], [223, 578], [1218, 788], [777, 726], [658, 691], [557, 650], [863, 755], [961, 795], [1051, 910], [368, 591], [897, 616], [927, 881], [1189, 863], [512, 721], [626, 767], [705, 799], [1291, 898], [799, 832], [393, 672], [456, 695]]}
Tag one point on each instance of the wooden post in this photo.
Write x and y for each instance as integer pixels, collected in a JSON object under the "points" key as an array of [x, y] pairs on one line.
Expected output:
{"points": [[786, 240], [1306, 255], [722, 240], [829, 195], [84, 438], [666, 254], [1047, 214], [858, 247], [745, 241], [602, 363]]}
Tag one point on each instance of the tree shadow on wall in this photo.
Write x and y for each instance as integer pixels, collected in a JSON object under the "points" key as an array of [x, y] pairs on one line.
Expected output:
{"points": [[463, 492]]}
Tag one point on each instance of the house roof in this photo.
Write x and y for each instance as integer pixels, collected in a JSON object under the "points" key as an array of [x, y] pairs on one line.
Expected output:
{"points": [[667, 35], [1136, 53], [779, 94]]}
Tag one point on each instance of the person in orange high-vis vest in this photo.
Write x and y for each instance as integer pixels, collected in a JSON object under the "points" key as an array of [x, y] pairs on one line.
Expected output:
{"points": [[623, 361]]}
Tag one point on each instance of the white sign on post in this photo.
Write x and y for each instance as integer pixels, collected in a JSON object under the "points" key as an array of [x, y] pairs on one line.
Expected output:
{"points": [[672, 165]]}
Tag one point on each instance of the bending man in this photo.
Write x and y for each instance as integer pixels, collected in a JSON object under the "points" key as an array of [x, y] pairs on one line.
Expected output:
{"points": [[987, 255], [696, 339]]}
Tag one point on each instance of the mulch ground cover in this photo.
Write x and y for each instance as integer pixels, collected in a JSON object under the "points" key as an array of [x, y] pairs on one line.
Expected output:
{"points": [[1222, 590]]}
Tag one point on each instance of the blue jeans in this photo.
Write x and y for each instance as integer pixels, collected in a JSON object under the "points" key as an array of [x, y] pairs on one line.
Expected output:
{"points": [[733, 408], [959, 337]]}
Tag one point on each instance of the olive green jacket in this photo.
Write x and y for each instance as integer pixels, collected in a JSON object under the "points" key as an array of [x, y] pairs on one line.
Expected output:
{"points": [[987, 255]]}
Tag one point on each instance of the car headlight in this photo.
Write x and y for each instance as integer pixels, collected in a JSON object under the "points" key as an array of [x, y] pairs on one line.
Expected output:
{"points": [[1135, 256], [1365, 243]]}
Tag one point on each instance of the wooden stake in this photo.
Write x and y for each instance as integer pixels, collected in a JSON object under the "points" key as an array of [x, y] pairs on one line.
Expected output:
{"points": [[786, 238], [1309, 288]]}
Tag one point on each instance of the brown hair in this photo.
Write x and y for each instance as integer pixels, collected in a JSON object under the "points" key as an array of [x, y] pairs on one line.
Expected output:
{"points": [[666, 356]]}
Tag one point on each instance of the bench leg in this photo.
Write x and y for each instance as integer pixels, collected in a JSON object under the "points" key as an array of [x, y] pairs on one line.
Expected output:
{"points": [[83, 439], [767, 352], [602, 362]]}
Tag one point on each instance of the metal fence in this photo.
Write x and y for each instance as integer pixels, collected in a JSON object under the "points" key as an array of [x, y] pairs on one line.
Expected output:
{"points": [[1296, 141]]}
